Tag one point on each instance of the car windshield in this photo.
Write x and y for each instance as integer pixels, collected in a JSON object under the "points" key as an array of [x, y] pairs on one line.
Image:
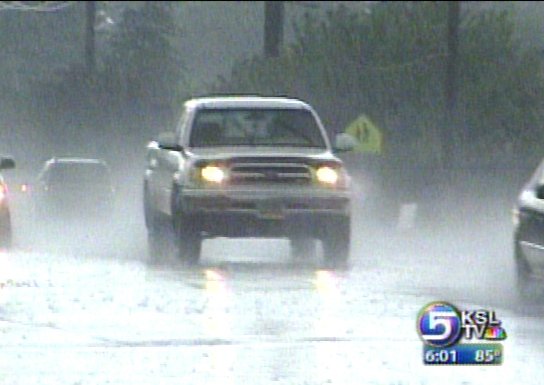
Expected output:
{"points": [[256, 127], [96, 174]]}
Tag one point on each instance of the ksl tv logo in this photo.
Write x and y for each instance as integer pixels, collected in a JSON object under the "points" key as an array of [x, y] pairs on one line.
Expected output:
{"points": [[441, 324]]}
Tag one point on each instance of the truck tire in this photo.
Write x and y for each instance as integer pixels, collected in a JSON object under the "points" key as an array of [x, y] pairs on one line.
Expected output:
{"points": [[157, 246], [188, 238], [150, 215], [525, 285], [189, 244], [159, 237], [336, 242]]}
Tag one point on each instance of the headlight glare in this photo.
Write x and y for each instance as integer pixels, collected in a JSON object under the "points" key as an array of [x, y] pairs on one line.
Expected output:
{"points": [[327, 175], [212, 174], [3, 192]]}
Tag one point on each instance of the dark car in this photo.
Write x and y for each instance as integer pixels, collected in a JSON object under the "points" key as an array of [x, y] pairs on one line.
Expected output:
{"points": [[528, 216], [5, 217], [74, 188]]}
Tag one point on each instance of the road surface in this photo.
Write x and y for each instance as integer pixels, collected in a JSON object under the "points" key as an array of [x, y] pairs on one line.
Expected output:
{"points": [[91, 308]]}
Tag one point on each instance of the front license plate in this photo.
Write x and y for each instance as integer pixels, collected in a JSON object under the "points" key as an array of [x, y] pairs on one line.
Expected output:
{"points": [[270, 214], [271, 211]]}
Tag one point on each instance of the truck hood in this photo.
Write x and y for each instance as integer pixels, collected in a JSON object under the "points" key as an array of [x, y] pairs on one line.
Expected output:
{"points": [[225, 153]]}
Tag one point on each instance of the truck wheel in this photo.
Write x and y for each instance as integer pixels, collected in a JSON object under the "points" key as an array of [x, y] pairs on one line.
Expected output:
{"points": [[188, 239], [525, 284], [303, 248], [336, 242], [189, 246], [157, 246], [150, 216]]}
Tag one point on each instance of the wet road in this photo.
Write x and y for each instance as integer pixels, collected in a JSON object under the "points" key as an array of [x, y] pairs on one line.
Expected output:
{"points": [[91, 311]]}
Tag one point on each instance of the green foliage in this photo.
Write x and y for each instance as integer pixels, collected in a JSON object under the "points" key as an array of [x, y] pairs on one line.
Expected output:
{"points": [[132, 92], [390, 64], [142, 56], [501, 81]]}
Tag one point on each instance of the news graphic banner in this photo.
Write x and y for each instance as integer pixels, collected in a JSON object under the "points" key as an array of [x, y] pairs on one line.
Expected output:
{"points": [[460, 337]]}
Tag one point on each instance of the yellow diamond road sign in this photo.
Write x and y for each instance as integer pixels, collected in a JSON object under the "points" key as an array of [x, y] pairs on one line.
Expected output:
{"points": [[368, 136]]}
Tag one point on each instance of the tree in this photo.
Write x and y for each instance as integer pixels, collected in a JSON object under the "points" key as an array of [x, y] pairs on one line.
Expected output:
{"points": [[273, 27], [142, 57], [90, 42], [450, 87], [395, 65]]}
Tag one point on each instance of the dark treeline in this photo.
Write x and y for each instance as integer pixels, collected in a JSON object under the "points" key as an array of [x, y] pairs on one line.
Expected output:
{"points": [[387, 60], [391, 64]]}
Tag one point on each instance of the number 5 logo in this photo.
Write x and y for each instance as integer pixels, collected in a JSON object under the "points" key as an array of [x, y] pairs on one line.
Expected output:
{"points": [[439, 324], [437, 319]]}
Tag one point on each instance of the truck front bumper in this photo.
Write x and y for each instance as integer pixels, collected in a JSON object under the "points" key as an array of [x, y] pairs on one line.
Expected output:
{"points": [[264, 213]]}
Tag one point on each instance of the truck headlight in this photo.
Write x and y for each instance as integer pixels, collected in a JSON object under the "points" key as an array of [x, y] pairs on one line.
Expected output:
{"points": [[213, 174], [327, 175], [3, 192]]}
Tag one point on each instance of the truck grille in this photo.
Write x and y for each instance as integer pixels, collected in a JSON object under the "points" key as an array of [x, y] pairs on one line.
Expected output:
{"points": [[241, 173]]}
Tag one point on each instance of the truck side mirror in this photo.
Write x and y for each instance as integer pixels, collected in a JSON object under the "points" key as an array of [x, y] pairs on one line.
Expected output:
{"points": [[168, 141]]}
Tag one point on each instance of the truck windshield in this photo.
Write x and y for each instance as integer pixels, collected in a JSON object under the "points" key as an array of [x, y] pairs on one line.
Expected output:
{"points": [[256, 127]]}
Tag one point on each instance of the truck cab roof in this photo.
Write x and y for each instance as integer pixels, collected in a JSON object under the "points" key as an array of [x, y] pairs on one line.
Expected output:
{"points": [[246, 101]]}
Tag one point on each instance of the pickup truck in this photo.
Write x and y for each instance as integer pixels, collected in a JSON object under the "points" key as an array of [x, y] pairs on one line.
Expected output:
{"points": [[248, 166]]}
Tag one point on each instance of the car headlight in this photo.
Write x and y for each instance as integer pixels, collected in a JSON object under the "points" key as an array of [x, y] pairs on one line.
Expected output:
{"points": [[3, 192], [327, 175], [213, 174]]}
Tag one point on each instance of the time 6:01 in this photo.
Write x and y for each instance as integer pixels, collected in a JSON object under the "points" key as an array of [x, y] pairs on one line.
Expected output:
{"points": [[440, 356]]}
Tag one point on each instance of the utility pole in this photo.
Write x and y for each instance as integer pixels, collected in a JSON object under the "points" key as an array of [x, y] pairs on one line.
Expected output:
{"points": [[90, 37], [450, 84], [449, 127], [274, 14]]}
